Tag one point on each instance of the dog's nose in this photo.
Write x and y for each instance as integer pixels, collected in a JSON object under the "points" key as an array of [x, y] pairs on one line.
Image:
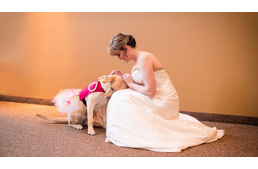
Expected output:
{"points": [[107, 98]]}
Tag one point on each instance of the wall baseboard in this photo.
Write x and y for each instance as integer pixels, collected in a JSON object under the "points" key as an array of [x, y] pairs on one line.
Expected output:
{"points": [[222, 118], [26, 100]]}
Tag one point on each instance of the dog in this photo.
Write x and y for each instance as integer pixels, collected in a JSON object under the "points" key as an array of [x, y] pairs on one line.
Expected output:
{"points": [[82, 106]]}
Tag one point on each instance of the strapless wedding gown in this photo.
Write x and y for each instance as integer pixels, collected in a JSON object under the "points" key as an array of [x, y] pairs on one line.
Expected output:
{"points": [[138, 121]]}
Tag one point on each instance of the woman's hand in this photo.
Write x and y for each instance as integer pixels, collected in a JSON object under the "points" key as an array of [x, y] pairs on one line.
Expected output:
{"points": [[127, 78], [116, 72]]}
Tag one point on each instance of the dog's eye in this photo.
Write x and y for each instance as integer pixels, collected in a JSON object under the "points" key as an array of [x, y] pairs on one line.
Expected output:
{"points": [[112, 89]]}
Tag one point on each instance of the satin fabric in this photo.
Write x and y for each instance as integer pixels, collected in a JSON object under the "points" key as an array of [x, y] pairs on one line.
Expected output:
{"points": [[138, 121]]}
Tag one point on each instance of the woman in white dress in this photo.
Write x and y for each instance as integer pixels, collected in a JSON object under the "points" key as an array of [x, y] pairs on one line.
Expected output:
{"points": [[147, 114]]}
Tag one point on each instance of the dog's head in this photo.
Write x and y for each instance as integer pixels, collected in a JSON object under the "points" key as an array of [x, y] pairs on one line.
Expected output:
{"points": [[112, 84]]}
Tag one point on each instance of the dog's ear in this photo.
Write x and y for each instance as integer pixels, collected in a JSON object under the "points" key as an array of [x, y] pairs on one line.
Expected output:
{"points": [[109, 79]]}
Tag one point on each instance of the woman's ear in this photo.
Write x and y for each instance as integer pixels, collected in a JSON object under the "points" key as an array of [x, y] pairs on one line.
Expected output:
{"points": [[125, 48]]}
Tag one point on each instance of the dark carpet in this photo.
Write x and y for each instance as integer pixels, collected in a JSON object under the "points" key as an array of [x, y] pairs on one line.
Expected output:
{"points": [[23, 134]]}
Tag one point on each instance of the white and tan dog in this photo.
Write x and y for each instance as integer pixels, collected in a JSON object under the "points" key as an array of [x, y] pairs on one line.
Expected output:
{"points": [[81, 111]]}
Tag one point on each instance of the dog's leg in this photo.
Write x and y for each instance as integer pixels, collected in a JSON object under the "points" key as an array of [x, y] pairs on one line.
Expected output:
{"points": [[71, 122], [58, 120], [90, 114], [97, 118], [104, 116]]}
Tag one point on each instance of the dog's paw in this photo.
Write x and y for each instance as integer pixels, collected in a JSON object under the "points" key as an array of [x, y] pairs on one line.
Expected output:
{"points": [[91, 132], [79, 127], [76, 126]]}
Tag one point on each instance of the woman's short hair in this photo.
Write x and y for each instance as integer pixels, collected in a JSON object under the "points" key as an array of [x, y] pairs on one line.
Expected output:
{"points": [[119, 41]]}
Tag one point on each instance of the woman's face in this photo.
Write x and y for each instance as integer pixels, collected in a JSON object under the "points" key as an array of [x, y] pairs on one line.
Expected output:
{"points": [[122, 55]]}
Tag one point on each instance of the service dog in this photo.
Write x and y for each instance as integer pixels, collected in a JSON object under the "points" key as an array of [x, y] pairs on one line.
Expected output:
{"points": [[83, 105]]}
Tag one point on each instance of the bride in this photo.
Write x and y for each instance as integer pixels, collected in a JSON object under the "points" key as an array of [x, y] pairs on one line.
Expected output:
{"points": [[147, 114]]}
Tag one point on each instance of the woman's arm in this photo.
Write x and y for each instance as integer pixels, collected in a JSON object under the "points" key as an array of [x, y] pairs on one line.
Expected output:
{"points": [[145, 64], [116, 72]]}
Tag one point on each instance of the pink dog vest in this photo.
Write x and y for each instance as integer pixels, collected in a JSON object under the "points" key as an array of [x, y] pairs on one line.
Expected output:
{"points": [[91, 88]]}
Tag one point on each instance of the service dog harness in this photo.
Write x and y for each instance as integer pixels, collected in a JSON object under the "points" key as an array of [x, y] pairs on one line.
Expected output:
{"points": [[91, 88]]}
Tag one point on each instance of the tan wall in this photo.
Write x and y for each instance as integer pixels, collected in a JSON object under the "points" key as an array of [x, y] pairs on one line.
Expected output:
{"points": [[212, 58]]}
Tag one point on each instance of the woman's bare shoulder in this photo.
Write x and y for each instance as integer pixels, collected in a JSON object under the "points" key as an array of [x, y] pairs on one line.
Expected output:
{"points": [[146, 56], [150, 58]]}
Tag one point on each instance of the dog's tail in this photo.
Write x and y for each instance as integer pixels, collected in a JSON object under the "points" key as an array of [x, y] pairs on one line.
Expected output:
{"points": [[57, 120]]}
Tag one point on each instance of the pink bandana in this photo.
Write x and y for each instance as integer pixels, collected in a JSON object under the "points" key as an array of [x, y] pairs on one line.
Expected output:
{"points": [[90, 89]]}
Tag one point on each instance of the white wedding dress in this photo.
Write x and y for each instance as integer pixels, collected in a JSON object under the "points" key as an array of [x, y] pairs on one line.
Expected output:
{"points": [[138, 121]]}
